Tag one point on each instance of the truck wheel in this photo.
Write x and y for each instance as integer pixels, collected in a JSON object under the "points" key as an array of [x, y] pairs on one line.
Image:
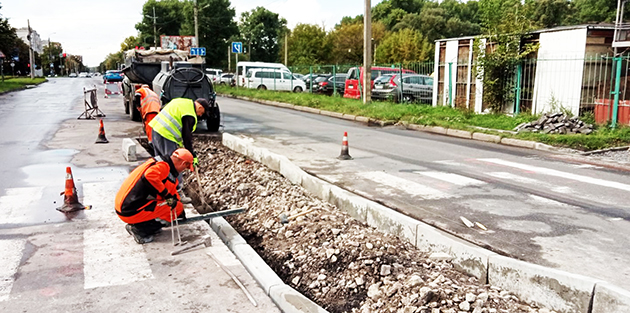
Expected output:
{"points": [[126, 104], [135, 115], [213, 119]]}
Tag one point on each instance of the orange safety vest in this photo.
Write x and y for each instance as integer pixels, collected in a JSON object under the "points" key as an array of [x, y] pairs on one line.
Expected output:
{"points": [[141, 196], [149, 101]]}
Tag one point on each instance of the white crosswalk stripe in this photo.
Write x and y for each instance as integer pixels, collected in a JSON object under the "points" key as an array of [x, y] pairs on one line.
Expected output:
{"points": [[14, 203], [10, 255], [535, 182], [454, 179], [412, 188]]}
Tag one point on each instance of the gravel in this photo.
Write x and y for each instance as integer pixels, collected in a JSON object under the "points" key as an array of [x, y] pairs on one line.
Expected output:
{"points": [[338, 262]]}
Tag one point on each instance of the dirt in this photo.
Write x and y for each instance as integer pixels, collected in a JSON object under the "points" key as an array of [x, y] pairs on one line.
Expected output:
{"points": [[340, 263]]}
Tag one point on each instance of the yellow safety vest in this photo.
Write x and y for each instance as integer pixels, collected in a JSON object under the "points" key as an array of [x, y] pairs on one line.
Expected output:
{"points": [[168, 123]]}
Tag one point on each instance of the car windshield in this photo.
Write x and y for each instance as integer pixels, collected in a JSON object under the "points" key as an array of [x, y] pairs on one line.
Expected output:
{"points": [[383, 79], [320, 79]]}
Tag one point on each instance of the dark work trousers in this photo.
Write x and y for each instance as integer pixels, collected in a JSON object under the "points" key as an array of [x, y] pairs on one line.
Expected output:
{"points": [[148, 228], [164, 148]]}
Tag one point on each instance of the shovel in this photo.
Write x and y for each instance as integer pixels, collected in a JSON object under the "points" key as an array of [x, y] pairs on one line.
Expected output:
{"points": [[204, 205]]}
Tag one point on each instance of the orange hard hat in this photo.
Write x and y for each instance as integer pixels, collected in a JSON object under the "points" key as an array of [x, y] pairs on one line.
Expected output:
{"points": [[185, 156]]}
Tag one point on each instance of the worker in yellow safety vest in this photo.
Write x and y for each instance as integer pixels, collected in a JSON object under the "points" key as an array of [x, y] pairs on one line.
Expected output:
{"points": [[172, 128]]}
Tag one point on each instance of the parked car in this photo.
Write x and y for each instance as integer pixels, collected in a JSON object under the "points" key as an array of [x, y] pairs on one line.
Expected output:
{"points": [[319, 83], [73, 75], [272, 79], [214, 75], [227, 78], [307, 80], [339, 81], [355, 74], [112, 76], [415, 88], [83, 75], [299, 76]]}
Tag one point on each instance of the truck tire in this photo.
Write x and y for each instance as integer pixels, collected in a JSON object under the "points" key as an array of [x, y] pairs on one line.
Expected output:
{"points": [[126, 104], [135, 115], [213, 119]]}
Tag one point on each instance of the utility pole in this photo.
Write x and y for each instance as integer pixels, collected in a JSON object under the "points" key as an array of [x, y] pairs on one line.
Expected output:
{"points": [[229, 57], [30, 49], [367, 54], [196, 13], [286, 49], [154, 27]]}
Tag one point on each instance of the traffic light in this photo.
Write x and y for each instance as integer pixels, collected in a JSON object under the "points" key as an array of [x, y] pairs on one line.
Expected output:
{"points": [[64, 55], [29, 64]]}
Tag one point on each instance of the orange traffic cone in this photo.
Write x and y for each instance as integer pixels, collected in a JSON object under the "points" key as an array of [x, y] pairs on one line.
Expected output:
{"points": [[101, 134], [345, 154], [70, 199]]}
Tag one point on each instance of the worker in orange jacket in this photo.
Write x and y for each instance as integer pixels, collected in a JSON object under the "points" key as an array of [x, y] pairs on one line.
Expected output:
{"points": [[150, 193], [149, 106]]}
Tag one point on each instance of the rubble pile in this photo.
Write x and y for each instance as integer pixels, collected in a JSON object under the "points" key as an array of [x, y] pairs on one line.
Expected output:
{"points": [[556, 123], [340, 263]]}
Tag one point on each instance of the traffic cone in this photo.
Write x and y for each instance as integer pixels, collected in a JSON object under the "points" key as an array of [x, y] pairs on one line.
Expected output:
{"points": [[345, 154], [70, 199], [101, 134]]}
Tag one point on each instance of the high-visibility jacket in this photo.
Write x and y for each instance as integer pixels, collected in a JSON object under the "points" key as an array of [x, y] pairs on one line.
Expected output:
{"points": [[149, 101], [168, 123], [145, 189]]}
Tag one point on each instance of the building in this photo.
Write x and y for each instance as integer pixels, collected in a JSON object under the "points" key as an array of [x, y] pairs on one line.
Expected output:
{"points": [[37, 43], [571, 71]]}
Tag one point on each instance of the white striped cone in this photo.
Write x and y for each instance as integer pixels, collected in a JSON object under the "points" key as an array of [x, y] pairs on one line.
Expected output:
{"points": [[345, 153]]}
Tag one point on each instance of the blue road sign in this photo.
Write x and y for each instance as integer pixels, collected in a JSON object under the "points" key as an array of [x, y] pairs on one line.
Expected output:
{"points": [[237, 47], [201, 51]]}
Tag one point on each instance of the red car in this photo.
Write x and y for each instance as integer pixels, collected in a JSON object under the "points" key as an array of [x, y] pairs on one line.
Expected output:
{"points": [[352, 89]]}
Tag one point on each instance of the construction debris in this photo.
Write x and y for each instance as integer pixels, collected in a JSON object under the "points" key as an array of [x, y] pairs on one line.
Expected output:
{"points": [[338, 262], [556, 123]]}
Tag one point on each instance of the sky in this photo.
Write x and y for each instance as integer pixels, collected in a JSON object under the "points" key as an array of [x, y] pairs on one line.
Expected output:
{"points": [[95, 28]]}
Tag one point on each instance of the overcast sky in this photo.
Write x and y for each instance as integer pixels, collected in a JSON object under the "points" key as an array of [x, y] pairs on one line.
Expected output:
{"points": [[94, 28]]}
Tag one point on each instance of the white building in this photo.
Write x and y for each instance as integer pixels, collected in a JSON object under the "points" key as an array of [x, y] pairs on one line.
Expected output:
{"points": [[569, 71], [36, 41]]}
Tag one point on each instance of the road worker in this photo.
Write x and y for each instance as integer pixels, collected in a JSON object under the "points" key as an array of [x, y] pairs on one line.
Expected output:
{"points": [[150, 193], [149, 104], [173, 127]]}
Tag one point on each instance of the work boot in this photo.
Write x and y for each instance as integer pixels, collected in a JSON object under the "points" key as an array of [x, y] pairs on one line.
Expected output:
{"points": [[182, 197], [139, 238]]}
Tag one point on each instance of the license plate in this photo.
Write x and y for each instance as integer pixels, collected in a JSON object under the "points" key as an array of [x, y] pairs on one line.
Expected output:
{"points": [[378, 87], [350, 87]]}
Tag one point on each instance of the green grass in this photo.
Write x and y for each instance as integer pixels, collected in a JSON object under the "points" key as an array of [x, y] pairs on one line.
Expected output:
{"points": [[18, 83], [447, 117]]}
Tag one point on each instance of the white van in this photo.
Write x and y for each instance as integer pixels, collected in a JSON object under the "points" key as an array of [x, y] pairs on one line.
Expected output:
{"points": [[214, 75], [243, 67], [264, 78]]}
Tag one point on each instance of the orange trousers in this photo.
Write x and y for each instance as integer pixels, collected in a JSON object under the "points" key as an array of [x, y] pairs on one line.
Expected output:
{"points": [[162, 211], [147, 119]]}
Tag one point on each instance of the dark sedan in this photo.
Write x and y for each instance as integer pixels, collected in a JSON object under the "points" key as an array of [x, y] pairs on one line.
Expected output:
{"points": [[339, 81]]}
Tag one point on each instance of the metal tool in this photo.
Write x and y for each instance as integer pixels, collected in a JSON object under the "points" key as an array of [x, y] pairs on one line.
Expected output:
{"points": [[234, 278], [204, 205], [207, 241], [209, 216], [179, 237]]}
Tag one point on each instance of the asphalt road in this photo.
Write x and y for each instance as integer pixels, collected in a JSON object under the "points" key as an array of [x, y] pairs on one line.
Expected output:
{"points": [[86, 261], [537, 208]]}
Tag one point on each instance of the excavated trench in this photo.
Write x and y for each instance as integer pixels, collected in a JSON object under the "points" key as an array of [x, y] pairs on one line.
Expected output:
{"points": [[338, 262]]}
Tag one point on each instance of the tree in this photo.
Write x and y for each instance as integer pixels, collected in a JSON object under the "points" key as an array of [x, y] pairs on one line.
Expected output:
{"points": [[549, 13], [348, 41], [50, 55], [262, 29], [169, 15], [216, 26], [593, 11], [309, 44], [129, 43], [495, 15], [407, 45]]}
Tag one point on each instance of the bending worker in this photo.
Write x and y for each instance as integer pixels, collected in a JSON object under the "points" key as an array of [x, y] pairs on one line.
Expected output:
{"points": [[173, 127], [150, 192], [148, 103]]}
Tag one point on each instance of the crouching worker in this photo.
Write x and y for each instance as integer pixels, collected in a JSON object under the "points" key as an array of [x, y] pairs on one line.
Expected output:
{"points": [[150, 193]]}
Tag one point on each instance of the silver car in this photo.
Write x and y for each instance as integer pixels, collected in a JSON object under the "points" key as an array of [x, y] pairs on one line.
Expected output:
{"points": [[415, 88]]}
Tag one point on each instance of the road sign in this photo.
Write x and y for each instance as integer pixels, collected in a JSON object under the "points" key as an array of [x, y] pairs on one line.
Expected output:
{"points": [[201, 51], [12, 64], [52, 65], [237, 47]]}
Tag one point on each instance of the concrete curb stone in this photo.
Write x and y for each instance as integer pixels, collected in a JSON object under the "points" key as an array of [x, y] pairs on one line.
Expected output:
{"points": [[435, 129], [129, 150], [518, 143], [610, 299], [486, 137], [264, 275], [292, 301], [308, 109], [459, 133], [555, 289], [362, 119]]}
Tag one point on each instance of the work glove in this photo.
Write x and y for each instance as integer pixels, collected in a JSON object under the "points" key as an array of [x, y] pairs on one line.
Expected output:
{"points": [[195, 162], [171, 200]]}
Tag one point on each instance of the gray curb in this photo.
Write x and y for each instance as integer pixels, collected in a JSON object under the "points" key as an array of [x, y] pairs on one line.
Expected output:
{"points": [[558, 290]]}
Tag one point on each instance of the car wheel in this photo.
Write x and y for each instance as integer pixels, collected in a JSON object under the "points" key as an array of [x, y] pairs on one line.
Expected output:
{"points": [[262, 87], [408, 98], [297, 89]]}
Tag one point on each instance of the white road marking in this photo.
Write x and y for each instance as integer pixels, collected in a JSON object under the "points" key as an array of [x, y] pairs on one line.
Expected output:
{"points": [[10, 256], [531, 181], [404, 185], [585, 166], [15, 203], [556, 173], [111, 256], [454, 179], [449, 162]]}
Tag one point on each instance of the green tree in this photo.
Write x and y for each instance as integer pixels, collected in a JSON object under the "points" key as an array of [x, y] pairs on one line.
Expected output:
{"points": [[309, 44], [8, 37], [407, 45], [216, 26], [593, 11], [348, 41], [499, 16], [262, 30], [549, 13], [51, 55], [169, 15], [129, 43]]}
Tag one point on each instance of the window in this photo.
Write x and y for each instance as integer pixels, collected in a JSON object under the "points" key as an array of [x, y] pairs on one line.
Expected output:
{"points": [[428, 81], [286, 75], [353, 74], [407, 80]]}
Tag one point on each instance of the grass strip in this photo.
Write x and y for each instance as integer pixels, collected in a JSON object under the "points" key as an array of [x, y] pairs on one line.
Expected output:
{"points": [[603, 137], [11, 84]]}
